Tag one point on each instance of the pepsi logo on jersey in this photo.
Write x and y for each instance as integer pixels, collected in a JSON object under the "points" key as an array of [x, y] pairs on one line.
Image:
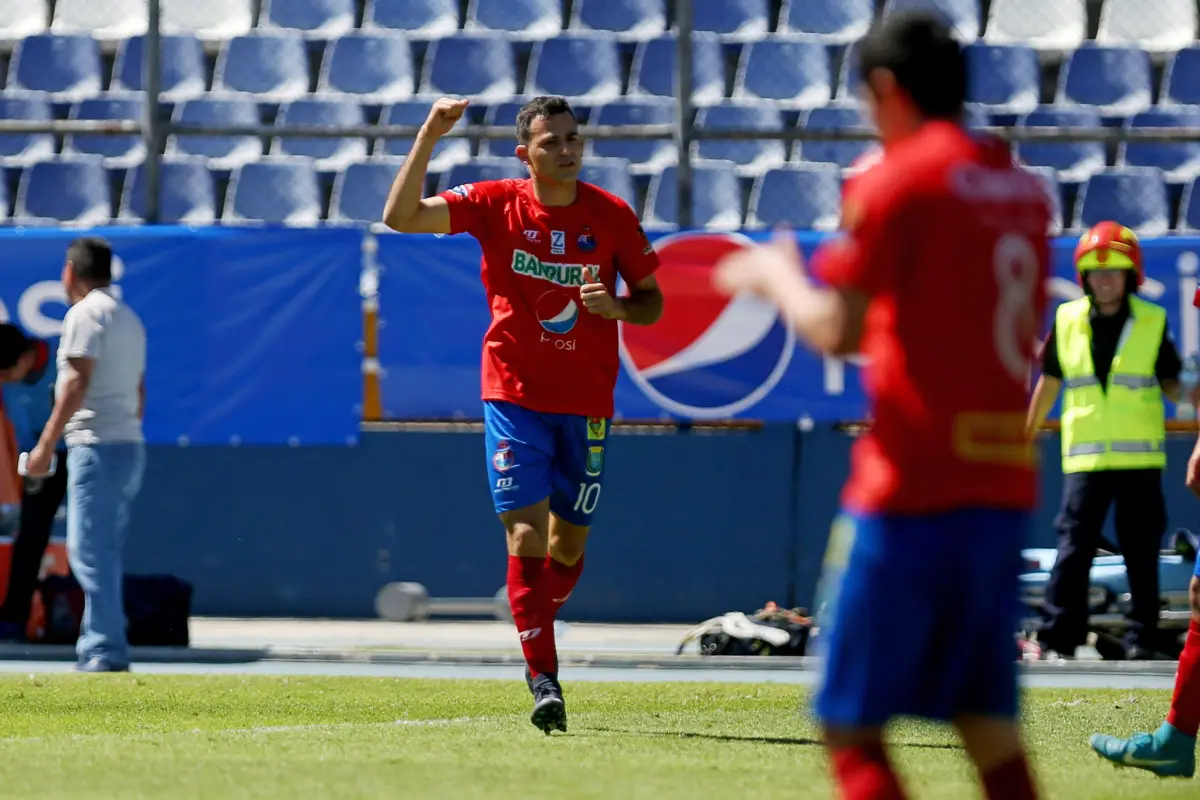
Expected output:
{"points": [[709, 356]]}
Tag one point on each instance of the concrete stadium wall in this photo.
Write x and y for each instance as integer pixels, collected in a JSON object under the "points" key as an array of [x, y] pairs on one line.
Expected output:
{"points": [[691, 524]]}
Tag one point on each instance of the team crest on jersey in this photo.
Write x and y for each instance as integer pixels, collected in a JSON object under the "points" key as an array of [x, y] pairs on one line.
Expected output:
{"points": [[595, 461], [558, 243], [596, 427], [503, 459], [462, 190], [586, 241]]}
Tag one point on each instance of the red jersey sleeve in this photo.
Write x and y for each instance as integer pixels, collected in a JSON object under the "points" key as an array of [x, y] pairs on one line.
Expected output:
{"points": [[867, 256], [636, 257], [470, 207]]}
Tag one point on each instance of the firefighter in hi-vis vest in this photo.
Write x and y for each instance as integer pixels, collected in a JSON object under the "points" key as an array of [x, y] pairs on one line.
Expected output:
{"points": [[1111, 353]]}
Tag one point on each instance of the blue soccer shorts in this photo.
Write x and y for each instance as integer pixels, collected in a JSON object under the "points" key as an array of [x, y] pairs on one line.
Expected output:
{"points": [[918, 617], [532, 456]]}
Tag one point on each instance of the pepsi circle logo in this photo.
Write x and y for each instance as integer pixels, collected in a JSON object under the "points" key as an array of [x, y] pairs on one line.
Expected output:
{"points": [[557, 312], [709, 355]]}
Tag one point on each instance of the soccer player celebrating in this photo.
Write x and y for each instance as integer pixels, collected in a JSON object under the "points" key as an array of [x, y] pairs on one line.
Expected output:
{"points": [[553, 248], [938, 279]]}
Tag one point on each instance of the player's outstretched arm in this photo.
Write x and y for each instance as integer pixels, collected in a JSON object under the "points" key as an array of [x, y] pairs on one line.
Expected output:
{"points": [[406, 211]]}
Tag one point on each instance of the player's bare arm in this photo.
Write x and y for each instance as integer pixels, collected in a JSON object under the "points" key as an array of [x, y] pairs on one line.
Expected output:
{"points": [[1044, 394], [642, 306], [829, 319], [406, 211]]}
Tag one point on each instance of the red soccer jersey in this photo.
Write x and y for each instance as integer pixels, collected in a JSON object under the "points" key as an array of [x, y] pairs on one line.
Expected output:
{"points": [[543, 350], [947, 237]]}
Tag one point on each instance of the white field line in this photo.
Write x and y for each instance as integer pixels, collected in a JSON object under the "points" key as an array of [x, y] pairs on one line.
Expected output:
{"points": [[255, 731]]}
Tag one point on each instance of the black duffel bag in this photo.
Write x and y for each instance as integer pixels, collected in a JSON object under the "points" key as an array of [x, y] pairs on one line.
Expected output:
{"points": [[157, 610]]}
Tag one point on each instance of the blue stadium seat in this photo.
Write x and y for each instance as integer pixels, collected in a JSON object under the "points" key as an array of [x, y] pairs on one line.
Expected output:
{"points": [[22, 149], [222, 152], [376, 67], [1181, 78], [1004, 78], [68, 66], [802, 196], [1050, 26], [317, 19], [501, 115], [716, 198], [611, 175], [848, 78], [274, 190], [22, 18], [962, 15], [420, 19], [186, 193], [834, 116], [182, 61], [482, 169], [1113, 80], [835, 21], [1049, 179], [734, 20], [653, 70], [117, 151], [751, 155], [271, 66], [791, 70], [1135, 196], [1179, 161], [643, 155], [108, 21], [521, 19], [324, 112], [628, 20], [583, 67], [1159, 26], [360, 191], [72, 190], [1189, 208], [1074, 161], [478, 66], [447, 152]]}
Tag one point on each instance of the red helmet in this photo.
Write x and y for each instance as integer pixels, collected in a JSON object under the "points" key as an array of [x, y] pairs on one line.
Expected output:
{"points": [[1109, 245]]}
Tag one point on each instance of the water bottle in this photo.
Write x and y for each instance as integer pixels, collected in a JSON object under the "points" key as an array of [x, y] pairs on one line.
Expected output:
{"points": [[1189, 377]]}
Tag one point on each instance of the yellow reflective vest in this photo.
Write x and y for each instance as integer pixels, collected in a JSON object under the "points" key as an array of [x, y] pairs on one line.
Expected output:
{"points": [[1120, 425]]}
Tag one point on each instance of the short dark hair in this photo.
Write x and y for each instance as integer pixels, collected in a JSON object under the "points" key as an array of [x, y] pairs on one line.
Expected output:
{"points": [[920, 50], [539, 107], [91, 260], [13, 344]]}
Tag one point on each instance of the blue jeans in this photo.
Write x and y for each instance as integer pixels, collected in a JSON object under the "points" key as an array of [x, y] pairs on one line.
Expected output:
{"points": [[102, 480]]}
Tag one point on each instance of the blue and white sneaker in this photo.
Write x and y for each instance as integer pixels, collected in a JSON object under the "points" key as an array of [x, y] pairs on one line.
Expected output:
{"points": [[1167, 753]]}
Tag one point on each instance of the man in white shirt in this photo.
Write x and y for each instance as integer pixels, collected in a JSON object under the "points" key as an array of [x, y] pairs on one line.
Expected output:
{"points": [[99, 400]]}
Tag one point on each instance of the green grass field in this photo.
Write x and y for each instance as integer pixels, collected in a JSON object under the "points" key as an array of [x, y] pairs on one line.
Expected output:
{"points": [[138, 736]]}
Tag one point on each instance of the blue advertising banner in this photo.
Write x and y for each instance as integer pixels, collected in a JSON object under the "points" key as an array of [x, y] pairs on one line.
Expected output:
{"points": [[709, 357], [252, 334]]}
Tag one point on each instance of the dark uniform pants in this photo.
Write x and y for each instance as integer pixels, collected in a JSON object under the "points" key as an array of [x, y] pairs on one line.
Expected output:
{"points": [[1140, 522], [38, 508]]}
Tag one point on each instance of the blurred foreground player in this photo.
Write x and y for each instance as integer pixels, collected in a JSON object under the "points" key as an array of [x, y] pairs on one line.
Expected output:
{"points": [[1171, 750], [939, 281], [551, 244]]}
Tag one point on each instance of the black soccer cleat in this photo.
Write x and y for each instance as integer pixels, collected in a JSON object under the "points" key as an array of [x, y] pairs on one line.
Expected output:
{"points": [[549, 710]]}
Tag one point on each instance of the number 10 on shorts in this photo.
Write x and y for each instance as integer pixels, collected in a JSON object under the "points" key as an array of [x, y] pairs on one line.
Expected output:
{"points": [[589, 496]]}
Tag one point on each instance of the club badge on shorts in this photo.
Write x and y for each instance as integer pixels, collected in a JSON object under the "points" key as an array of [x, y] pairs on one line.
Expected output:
{"points": [[503, 458], [596, 428], [595, 461]]}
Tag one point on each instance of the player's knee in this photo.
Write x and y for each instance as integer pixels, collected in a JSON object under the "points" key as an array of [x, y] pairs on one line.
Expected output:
{"points": [[1194, 598], [989, 742], [525, 538]]}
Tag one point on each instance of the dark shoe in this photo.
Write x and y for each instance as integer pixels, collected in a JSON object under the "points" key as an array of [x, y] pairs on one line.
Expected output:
{"points": [[549, 710], [100, 664]]}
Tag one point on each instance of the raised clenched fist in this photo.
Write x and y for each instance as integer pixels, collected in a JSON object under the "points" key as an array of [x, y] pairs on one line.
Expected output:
{"points": [[445, 112]]}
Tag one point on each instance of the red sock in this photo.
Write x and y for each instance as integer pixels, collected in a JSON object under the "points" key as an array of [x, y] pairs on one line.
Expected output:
{"points": [[526, 577], [864, 773], [1012, 780], [1185, 705], [560, 581]]}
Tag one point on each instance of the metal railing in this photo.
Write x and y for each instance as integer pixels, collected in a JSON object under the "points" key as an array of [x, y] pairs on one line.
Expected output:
{"points": [[683, 132]]}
